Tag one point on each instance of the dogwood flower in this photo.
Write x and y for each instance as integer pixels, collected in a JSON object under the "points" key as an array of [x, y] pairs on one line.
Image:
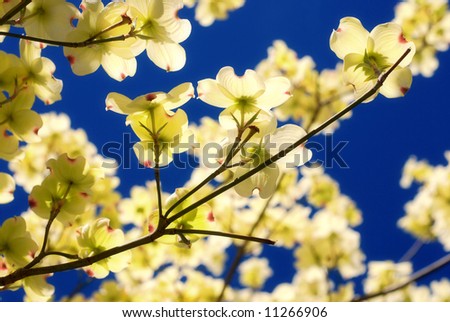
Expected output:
{"points": [[176, 97], [37, 289], [39, 73], [73, 172], [162, 130], [17, 115], [157, 23], [11, 72], [161, 135], [51, 195], [254, 272], [243, 97], [97, 237], [101, 22], [208, 11], [265, 181], [16, 244], [7, 187], [368, 55], [49, 19]]}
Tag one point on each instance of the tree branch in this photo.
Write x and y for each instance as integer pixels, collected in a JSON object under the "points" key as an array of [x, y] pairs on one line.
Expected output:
{"points": [[414, 277], [175, 231], [299, 142], [84, 43], [22, 273]]}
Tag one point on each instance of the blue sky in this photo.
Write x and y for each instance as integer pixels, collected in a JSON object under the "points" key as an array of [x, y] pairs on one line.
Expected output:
{"points": [[381, 135]]}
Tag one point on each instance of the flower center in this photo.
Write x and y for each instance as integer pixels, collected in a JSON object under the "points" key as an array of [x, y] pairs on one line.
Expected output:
{"points": [[373, 65]]}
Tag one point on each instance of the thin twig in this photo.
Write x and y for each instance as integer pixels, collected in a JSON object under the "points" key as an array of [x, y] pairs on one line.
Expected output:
{"points": [[176, 231], [242, 248], [22, 273], [237, 145], [16, 9], [78, 44], [412, 251], [62, 254], [414, 277]]}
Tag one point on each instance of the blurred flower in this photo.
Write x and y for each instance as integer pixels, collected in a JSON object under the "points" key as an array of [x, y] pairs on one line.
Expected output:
{"points": [[97, 237], [16, 243], [7, 187], [49, 19]]}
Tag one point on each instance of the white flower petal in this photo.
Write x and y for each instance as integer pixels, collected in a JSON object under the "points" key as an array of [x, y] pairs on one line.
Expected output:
{"points": [[165, 55], [179, 95], [117, 67], [265, 181], [83, 61], [350, 37], [249, 85], [276, 93], [212, 93], [397, 83], [118, 103], [389, 41], [8, 186], [358, 80], [284, 137]]}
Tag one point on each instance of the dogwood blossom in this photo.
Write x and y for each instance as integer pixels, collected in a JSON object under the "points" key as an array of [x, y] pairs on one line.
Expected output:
{"points": [[161, 130], [99, 22], [198, 218], [9, 144], [243, 97], [16, 243], [176, 97], [367, 55], [49, 19], [38, 73], [316, 96], [208, 11], [97, 237], [11, 72], [254, 272], [17, 115], [157, 24]]}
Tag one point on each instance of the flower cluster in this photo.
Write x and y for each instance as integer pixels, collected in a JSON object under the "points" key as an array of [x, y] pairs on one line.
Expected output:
{"points": [[110, 36], [427, 24], [64, 192], [427, 215], [208, 11], [247, 101], [316, 96], [113, 35]]}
